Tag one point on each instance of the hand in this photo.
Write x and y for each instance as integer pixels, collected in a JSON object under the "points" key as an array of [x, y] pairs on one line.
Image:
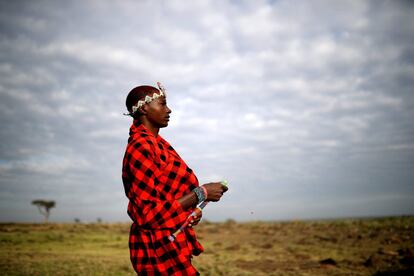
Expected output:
{"points": [[196, 219], [215, 191]]}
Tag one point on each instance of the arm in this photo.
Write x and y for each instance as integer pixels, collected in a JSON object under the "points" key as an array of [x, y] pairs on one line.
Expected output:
{"points": [[215, 191], [188, 201], [150, 207]]}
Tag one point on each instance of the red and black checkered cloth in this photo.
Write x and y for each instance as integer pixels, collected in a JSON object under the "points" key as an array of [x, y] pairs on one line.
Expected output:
{"points": [[154, 177]]}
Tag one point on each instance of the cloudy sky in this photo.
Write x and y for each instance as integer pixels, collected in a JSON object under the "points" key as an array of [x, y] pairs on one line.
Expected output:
{"points": [[305, 107]]}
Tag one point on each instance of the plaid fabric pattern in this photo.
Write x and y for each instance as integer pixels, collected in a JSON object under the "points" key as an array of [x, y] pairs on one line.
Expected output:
{"points": [[154, 177]]}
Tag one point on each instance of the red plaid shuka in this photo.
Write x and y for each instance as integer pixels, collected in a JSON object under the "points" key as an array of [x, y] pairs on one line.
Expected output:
{"points": [[154, 177]]}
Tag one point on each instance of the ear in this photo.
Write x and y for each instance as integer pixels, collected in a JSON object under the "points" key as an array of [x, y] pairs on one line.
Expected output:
{"points": [[143, 110]]}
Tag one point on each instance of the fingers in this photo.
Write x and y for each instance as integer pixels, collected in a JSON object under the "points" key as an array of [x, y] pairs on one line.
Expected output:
{"points": [[215, 190], [194, 221], [197, 212], [218, 193]]}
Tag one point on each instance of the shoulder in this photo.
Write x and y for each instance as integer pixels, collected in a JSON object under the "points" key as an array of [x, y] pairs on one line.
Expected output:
{"points": [[142, 144], [142, 141]]}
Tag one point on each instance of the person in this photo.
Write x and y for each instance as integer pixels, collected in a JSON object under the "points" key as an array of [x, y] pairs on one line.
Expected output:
{"points": [[162, 190]]}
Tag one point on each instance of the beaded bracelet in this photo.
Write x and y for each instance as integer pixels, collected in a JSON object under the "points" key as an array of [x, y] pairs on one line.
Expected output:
{"points": [[200, 193], [205, 191]]}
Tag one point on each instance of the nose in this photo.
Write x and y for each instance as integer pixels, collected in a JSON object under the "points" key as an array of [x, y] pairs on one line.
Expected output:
{"points": [[168, 110]]}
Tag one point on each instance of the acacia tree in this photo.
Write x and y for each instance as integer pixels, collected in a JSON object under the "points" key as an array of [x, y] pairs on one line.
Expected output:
{"points": [[44, 207]]}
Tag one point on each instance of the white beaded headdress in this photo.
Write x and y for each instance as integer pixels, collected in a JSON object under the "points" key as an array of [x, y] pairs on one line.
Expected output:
{"points": [[148, 99]]}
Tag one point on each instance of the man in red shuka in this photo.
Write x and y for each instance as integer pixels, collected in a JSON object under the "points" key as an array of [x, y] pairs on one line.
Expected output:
{"points": [[162, 190]]}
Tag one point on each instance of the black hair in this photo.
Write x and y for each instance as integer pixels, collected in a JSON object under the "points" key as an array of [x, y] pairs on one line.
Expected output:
{"points": [[136, 94]]}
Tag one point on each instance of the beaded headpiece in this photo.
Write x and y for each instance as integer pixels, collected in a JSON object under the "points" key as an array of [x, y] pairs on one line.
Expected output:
{"points": [[148, 99]]}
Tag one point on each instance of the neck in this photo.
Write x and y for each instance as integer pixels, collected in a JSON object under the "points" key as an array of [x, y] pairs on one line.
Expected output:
{"points": [[154, 130]]}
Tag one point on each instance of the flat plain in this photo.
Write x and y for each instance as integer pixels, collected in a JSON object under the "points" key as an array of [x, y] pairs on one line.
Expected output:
{"points": [[375, 246]]}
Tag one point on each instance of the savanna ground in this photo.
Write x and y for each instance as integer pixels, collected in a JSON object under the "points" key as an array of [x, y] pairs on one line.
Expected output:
{"points": [[380, 246]]}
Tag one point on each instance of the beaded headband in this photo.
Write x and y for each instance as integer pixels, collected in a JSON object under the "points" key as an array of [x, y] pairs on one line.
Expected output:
{"points": [[148, 99]]}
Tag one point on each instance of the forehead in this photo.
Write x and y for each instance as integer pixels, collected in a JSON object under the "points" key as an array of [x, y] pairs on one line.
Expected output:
{"points": [[161, 99]]}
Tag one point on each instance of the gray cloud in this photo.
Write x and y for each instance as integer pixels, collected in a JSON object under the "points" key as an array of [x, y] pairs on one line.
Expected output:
{"points": [[305, 108]]}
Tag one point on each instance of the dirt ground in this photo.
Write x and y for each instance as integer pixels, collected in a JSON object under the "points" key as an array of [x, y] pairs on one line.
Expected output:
{"points": [[333, 247], [380, 246]]}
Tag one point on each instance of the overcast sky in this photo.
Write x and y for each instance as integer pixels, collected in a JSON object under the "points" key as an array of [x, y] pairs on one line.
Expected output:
{"points": [[305, 107]]}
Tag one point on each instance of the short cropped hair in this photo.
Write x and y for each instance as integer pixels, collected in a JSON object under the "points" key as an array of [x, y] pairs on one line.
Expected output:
{"points": [[138, 93]]}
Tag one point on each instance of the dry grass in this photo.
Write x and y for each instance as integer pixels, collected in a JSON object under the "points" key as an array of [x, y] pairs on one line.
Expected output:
{"points": [[349, 247], [336, 247]]}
